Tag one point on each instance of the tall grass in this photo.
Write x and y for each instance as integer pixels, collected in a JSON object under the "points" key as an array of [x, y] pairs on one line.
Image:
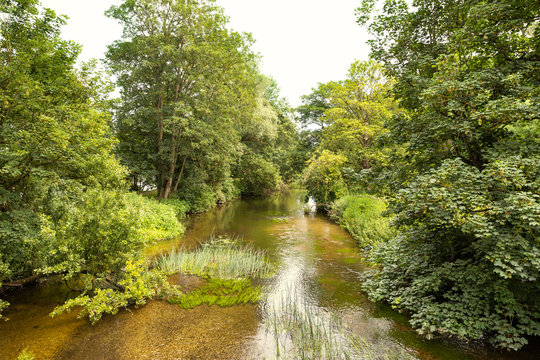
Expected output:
{"points": [[219, 257], [361, 215]]}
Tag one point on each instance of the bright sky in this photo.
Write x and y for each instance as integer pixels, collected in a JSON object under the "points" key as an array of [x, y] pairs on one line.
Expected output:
{"points": [[302, 42]]}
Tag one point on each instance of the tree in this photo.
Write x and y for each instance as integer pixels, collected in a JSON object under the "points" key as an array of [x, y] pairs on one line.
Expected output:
{"points": [[54, 132], [352, 114], [359, 106], [185, 81], [323, 177], [468, 74]]}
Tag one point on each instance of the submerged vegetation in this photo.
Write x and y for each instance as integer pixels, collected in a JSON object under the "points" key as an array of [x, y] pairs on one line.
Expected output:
{"points": [[302, 330], [220, 292], [228, 266]]}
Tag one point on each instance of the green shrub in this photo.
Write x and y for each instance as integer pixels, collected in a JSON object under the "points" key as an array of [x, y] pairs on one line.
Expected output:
{"points": [[200, 196], [467, 260], [97, 242], [97, 235], [135, 286], [181, 207], [158, 220], [229, 191], [257, 176], [361, 216], [323, 177]]}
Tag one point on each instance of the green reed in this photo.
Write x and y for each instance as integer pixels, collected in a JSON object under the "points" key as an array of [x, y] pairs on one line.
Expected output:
{"points": [[219, 257]]}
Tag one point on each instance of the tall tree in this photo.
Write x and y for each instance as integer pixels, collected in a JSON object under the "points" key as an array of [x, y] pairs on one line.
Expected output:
{"points": [[185, 79], [359, 106], [351, 114]]}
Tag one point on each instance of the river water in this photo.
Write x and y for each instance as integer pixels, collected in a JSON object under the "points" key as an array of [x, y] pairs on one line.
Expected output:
{"points": [[317, 286]]}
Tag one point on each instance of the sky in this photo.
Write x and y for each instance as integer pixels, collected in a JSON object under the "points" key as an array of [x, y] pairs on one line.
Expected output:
{"points": [[302, 42]]}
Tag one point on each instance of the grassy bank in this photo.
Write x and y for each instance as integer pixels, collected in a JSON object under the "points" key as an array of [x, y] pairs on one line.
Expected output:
{"points": [[362, 216]]}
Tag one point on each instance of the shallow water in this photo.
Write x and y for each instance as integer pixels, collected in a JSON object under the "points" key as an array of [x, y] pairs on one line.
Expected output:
{"points": [[318, 273]]}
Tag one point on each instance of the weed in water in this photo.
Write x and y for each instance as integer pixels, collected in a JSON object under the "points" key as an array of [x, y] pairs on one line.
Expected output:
{"points": [[220, 292], [220, 257]]}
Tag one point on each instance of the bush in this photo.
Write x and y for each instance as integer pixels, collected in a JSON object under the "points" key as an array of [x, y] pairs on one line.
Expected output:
{"points": [[200, 196], [136, 285], [323, 177], [98, 234], [467, 261], [257, 176], [103, 230], [180, 207], [158, 220], [361, 216], [229, 191]]}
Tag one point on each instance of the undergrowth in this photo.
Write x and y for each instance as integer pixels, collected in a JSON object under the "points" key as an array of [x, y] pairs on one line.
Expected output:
{"points": [[362, 216]]}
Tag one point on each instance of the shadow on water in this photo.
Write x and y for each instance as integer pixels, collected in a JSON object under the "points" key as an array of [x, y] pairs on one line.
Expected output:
{"points": [[317, 280]]}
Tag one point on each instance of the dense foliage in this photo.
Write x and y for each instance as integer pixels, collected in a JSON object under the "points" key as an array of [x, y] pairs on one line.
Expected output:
{"points": [[467, 260], [193, 104], [439, 132], [196, 118], [347, 118], [55, 147], [363, 217], [64, 208]]}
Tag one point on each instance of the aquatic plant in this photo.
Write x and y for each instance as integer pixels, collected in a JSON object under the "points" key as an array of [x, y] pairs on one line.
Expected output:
{"points": [[219, 257], [220, 292], [302, 330], [3, 304], [26, 355]]}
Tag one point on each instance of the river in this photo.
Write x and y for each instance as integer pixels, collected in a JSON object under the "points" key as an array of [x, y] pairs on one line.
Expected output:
{"points": [[319, 271]]}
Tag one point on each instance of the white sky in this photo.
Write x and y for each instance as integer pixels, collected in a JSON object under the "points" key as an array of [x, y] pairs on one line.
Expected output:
{"points": [[302, 42]]}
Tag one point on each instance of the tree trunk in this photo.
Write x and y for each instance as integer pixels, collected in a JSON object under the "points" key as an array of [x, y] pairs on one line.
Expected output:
{"points": [[180, 175], [159, 169], [172, 163]]}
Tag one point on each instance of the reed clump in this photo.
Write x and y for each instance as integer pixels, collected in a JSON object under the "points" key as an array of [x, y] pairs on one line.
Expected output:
{"points": [[302, 330], [220, 257]]}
